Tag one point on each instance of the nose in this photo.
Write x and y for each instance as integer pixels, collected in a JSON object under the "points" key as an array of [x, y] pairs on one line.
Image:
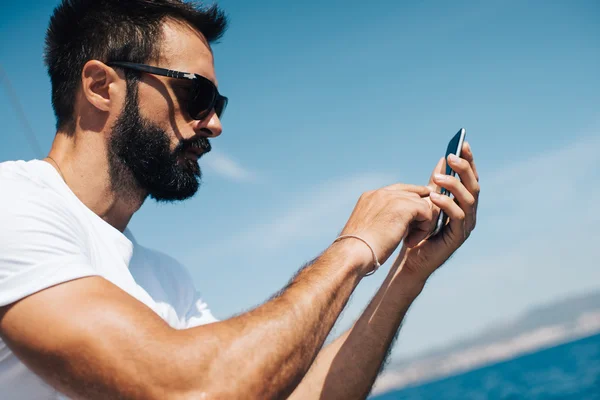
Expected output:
{"points": [[209, 126]]}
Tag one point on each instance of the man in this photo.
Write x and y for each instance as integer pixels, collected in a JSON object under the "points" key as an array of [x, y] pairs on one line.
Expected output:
{"points": [[88, 313]]}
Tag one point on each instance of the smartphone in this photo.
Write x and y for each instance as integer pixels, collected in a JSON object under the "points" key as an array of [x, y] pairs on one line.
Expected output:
{"points": [[454, 147]]}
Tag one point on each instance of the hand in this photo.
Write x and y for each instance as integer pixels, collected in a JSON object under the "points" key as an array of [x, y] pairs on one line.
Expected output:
{"points": [[382, 217], [424, 257]]}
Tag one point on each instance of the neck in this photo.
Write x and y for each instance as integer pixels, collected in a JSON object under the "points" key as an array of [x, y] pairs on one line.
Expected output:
{"points": [[109, 191]]}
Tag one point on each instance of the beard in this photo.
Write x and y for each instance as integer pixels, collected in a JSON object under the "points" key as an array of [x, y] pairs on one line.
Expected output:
{"points": [[141, 159]]}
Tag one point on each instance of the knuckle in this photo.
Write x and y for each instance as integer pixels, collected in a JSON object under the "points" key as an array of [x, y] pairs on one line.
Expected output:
{"points": [[422, 203], [461, 165], [417, 203], [388, 196], [400, 204], [407, 205], [367, 194], [443, 199], [453, 181], [470, 200], [402, 196], [427, 211]]}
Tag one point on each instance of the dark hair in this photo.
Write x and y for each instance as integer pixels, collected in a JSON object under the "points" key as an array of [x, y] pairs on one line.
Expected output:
{"points": [[112, 30]]}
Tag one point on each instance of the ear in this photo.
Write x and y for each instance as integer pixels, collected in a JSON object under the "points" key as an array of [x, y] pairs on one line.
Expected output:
{"points": [[101, 85]]}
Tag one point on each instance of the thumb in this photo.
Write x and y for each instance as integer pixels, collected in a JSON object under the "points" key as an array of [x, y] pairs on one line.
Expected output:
{"points": [[440, 168]]}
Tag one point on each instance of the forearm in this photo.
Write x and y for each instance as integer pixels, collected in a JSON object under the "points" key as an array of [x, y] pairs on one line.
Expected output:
{"points": [[348, 367], [112, 346], [265, 353], [103, 343]]}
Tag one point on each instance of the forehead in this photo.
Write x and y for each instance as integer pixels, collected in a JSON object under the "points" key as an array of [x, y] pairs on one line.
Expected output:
{"points": [[185, 49]]}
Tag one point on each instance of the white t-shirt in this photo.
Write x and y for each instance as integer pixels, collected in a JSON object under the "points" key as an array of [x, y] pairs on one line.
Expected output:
{"points": [[48, 236]]}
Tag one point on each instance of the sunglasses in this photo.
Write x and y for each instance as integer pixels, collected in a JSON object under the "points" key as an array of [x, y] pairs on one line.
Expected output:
{"points": [[203, 94]]}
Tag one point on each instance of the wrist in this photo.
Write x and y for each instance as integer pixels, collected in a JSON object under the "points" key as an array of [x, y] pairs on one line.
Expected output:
{"points": [[409, 274], [422, 264], [408, 284], [354, 254]]}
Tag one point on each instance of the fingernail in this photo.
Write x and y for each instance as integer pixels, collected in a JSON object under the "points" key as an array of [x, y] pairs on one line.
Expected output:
{"points": [[434, 195], [440, 177], [453, 158]]}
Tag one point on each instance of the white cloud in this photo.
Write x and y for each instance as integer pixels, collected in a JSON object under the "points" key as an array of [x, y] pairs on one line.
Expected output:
{"points": [[228, 168]]}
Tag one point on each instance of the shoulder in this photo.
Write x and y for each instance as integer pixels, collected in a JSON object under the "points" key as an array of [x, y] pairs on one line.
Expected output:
{"points": [[19, 179], [20, 171], [43, 242], [30, 196], [27, 180]]}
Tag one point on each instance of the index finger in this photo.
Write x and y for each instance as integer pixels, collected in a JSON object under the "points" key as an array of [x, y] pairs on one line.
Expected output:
{"points": [[422, 191], [467, 154]]}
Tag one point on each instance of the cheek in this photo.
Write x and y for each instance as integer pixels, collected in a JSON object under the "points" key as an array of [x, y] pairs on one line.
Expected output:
{"points": [[162, 108], [155, 102]]}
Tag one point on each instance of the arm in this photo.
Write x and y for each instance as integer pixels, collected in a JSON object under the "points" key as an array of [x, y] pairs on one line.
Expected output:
{"points": [[348, 367], [89, 339], [110, 345]]}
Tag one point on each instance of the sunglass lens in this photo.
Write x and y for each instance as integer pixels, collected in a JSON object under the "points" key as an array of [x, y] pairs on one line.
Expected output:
{"points": [[201, 99], [220, 105]]}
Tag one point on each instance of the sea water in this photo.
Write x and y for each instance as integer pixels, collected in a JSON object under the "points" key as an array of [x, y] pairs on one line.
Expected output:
{"points": [[568, 371]]}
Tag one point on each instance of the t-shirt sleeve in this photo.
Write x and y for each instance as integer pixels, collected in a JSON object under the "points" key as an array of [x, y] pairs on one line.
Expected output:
{"points": [[170, 284], [194, 311], [198, 313], [42, 243]]}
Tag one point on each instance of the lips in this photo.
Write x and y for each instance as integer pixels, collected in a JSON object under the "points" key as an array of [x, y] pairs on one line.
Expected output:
{"points": [[198, 147], [197, 152]]}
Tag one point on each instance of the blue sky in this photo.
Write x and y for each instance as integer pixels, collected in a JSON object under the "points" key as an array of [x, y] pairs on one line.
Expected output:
{"points": [[331, 98]]}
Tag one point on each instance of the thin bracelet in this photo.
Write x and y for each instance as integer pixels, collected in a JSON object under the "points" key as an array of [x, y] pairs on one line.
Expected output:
{"points": [[376, 264]]}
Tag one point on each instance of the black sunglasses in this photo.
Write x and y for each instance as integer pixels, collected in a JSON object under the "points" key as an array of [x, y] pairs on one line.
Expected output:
{"points": [[203, 94]]}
